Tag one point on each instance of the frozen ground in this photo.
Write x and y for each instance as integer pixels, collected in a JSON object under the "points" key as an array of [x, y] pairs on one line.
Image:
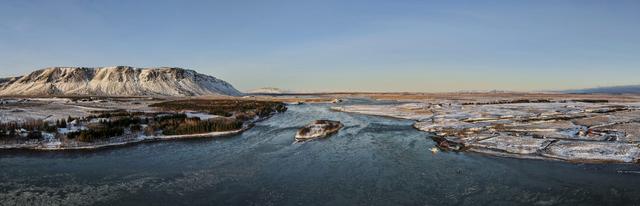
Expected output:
{"points": [[573, 129], [580, 131], [51, 109]]}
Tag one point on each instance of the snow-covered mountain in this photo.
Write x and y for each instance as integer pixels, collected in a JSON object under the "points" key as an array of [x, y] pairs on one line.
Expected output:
{"points": [[116, 81]]}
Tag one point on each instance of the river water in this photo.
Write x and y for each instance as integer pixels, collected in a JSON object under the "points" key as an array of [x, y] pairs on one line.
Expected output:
{"points": [[372, 161]]}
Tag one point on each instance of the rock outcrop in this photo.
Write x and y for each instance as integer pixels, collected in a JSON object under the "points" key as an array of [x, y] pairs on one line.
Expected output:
{"points": [[318, 129]]}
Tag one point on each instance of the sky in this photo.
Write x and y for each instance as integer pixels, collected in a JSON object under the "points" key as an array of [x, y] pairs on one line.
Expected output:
{"points": [[341, 45]]}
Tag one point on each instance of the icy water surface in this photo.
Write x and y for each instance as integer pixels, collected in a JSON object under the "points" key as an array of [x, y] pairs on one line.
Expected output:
{"points": [[372, 161]]}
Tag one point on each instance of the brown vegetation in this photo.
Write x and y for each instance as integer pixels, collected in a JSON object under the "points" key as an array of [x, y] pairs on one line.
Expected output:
{"points": [[224, 107], [195, 125], [93, 134], [32, 128]]}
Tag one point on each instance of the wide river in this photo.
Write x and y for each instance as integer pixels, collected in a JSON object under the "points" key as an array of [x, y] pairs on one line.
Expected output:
{"points": [[372, 161]]}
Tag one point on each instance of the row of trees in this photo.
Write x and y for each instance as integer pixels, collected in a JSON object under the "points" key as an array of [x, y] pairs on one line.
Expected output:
{"points": [[33, 128], [93, 134], [116, 124], [61, 123], [124, 121], [224, 107], [195, 126], [116, 113]]}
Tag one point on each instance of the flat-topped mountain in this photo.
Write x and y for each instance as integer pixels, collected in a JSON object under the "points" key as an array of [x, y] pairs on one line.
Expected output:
{"points": [[115, 81]]}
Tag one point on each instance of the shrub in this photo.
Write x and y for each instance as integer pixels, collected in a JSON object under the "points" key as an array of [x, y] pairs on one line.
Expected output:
{"points": [[150, 130], [136, 128], [34, 135]]}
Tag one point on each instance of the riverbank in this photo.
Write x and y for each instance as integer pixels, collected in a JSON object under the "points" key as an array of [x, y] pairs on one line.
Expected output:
{"points": [[110, 123], [566, 130], [117, 141]]}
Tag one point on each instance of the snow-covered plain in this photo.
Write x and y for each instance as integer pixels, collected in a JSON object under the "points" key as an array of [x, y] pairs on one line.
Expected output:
{"points": [[563, 130], [52, 109]]}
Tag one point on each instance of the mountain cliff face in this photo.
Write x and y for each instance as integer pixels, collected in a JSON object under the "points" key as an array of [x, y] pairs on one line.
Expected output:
{"points": [[116, 81]]}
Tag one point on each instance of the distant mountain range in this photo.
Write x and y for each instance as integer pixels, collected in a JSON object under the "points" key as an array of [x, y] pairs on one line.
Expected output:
{"points": [[269, 90], [629, 89], [115, 81]]}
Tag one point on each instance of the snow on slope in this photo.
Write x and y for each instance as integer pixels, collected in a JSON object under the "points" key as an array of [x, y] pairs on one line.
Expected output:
{"points": [[269, 90], [116, 81]]}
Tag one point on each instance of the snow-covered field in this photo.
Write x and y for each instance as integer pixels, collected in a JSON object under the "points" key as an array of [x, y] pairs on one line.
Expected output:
{"points": [[201, 115], [565, 130], [51, 109], [57, 109]]}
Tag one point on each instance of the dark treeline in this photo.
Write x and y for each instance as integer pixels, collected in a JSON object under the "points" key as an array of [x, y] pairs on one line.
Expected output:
{"points": [[225, 107], [115, 113], [195, 125], [124, 121], [117, 123], [93, 134], [109, 128], [33, 128]]}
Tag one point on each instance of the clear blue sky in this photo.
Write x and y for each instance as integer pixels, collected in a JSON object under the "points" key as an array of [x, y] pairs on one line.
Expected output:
{"points": [[337, 45]]}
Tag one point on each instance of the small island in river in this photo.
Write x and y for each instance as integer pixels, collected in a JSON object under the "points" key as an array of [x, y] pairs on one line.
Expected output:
{"points": [[318, 129]]}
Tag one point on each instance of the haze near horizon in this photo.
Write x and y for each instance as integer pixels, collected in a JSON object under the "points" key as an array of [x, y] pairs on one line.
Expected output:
{"points": [[422, 46]]}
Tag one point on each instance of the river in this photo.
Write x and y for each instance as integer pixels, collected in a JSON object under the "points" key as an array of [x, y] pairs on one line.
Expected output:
{"points": [[372, 161]]}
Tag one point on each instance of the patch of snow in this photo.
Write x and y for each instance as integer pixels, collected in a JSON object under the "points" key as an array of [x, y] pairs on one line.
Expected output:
{"points": [[201, 115]]}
